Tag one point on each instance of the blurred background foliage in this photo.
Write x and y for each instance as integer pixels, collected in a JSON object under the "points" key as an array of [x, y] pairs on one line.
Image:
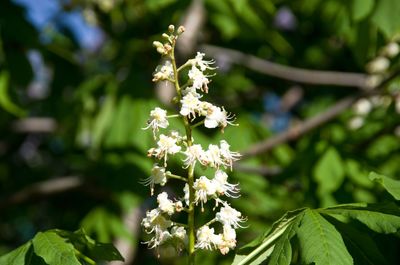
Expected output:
{"points": [[75, 91]]}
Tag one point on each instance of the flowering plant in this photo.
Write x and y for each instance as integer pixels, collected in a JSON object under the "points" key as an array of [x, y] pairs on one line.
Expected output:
{"points": [[197, 191]]}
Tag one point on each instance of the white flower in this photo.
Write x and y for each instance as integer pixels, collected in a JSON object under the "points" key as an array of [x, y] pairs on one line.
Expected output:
{"points": [[217, 117], [229, 216], [201, 63], [227, 155], [160, 236], [165, 204], [163, 72], [190, 105], [158, 119], [158, 176], [356, 123], [179, 232], [166, 145], [223, 187], [206, 238], [373, 81], [193, 153], [191, 90], [391, 50], [154, 219], [228, 240], [155, 223], [378, 65], [363, 106], [178, 206], [212, 157], [204, 188], [199, 80]]}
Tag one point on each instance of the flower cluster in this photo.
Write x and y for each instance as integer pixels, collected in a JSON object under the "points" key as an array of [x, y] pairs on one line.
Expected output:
{"points": [[378, 70], [197, 191]]}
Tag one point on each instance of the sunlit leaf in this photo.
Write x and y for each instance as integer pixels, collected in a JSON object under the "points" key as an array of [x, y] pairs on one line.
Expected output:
{"points": [[391, 185], [320, 242]]}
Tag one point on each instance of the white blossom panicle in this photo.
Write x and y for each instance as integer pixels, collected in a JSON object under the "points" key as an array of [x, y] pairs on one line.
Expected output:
{"points": [[199, 79], [158, 176], [204, 188], [158, 119], [229, 216], [223, 187], [193, 111], [164, 204], [163, 72], [206, 238]]}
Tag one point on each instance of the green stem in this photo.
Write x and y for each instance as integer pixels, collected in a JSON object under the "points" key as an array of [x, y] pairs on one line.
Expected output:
{"points": [[190, 178], [85, 258], [183, 66], [210, 222], [197, 124], [173, 176]]}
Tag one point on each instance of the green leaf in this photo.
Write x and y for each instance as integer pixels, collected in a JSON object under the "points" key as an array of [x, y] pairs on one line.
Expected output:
{"points": [[17, 256], [391, 185], [384, 17], [282, 252], [329, 172], [105, 117], [357, 174], [381, 218], [95, 250], [320, 242], [54, 249], [104, 251], [227, 25], [362, 247], [267, 245], [361, 9], [5, 100]]}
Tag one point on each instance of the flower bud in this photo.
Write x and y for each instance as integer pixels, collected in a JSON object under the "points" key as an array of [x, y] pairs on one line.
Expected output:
{"points": [[391, 50], [378, 65], [178, 206], [171, 28], [181, 29], [373, 81], [157, 44], [161, 50], [363, 106], [167, 48], [165, 36]]}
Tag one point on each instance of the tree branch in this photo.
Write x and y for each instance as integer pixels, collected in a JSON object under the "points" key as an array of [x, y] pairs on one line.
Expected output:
{"points": [[261, 170], [35, 125], [314, 77], [51, 187], [314, 122]]}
